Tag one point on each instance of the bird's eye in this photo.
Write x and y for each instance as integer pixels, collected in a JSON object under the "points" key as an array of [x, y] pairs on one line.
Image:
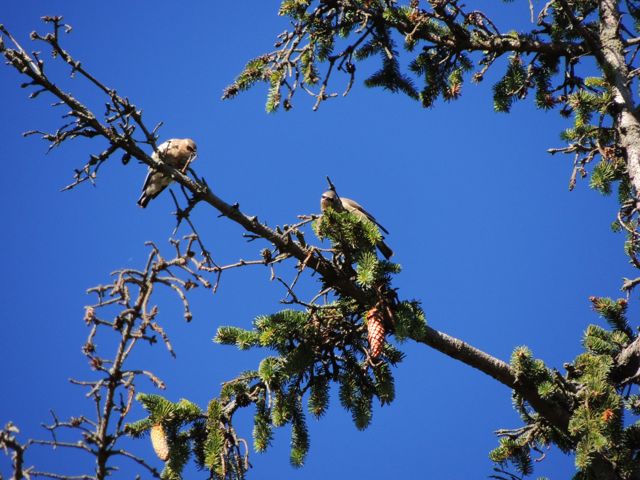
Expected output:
{"points": [[190, 148]]}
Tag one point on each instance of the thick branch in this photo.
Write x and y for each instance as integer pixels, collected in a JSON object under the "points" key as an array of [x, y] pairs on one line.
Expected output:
{"points": [[627, 367], [459, 38], [499, 44], [495, 368]]}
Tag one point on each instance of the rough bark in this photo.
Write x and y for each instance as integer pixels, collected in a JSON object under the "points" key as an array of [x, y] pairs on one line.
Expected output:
{"points": [[614, 65], [627, 367]]}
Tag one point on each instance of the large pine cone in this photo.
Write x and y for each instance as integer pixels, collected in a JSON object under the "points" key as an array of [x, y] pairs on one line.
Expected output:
{"points": [[375, 329]]}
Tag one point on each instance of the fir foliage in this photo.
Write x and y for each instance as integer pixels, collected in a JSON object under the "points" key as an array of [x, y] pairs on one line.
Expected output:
{"points": [[512, 86], [256, 70], [593, 429], [614, 312], [208, 437], [319, 396], [262, 427], [410, 321], [596, 428], [444, 43], [313, 348], [389, 77], [349, 234], [173, 417], [308, 347]]}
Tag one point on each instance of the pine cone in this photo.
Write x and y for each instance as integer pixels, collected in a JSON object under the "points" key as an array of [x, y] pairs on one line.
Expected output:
{"points": [[607, 415], [375, 330], [159, 442]]}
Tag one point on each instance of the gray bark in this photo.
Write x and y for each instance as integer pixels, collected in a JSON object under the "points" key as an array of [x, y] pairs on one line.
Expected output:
{"points": [[611, 56]]}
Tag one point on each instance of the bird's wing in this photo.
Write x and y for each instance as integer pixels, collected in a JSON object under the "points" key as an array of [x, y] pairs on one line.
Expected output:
{"points": [[151, 173], [147, 180], [353, 205]]}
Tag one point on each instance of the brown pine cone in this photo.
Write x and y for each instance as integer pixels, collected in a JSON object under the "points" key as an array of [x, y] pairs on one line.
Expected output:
{"points": [[375, 330]]}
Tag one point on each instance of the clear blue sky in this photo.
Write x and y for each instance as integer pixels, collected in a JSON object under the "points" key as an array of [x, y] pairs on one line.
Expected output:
{"points": [[480, 217]]}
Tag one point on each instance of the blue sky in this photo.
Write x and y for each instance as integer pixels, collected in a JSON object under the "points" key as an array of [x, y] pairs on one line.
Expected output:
{"points": [[490, 239]]}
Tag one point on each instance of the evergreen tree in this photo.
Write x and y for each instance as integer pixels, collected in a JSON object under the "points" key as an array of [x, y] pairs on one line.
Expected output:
{"points": [[351, 337]]}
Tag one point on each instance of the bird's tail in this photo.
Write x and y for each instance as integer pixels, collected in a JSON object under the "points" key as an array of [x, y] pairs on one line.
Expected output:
{"points": [[144, 200], [384, 249]]}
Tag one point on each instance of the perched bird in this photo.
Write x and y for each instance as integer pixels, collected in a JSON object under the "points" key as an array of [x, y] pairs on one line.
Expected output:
{"points": [[177, 152], [341, 204]]}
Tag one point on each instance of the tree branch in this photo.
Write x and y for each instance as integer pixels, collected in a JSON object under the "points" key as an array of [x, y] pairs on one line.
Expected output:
{"points": [[495, 368]]}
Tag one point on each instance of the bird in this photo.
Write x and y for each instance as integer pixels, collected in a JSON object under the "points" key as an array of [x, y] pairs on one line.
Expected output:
{"points": [[341, 204], [177, 152]]}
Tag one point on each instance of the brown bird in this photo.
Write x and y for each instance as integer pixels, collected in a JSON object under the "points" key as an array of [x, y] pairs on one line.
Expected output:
{"points": [[177, 152], [341, 204]]}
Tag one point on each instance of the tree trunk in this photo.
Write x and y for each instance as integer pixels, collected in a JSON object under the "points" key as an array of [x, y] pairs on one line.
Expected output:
{"points": [[613, 63]]}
